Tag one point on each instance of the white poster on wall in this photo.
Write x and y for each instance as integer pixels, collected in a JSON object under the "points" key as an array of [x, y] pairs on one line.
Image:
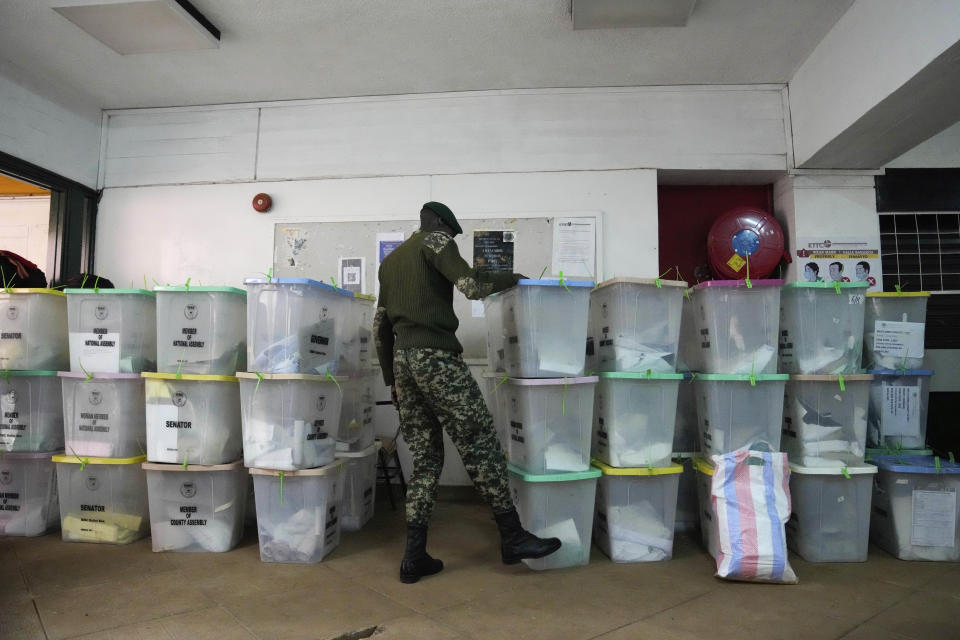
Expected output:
{"points": [[575, 247], [839, 259], [352, 272]]}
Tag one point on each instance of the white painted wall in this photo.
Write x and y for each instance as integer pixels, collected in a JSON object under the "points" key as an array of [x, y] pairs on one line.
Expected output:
{"points": [[61, 139], [940, 151], [874, 49], [24, 222], [825, 205], [730, 128], [211, 233]]}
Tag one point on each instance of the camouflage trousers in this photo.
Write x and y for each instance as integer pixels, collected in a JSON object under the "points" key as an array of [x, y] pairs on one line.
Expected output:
{"points": [[436, 393]]}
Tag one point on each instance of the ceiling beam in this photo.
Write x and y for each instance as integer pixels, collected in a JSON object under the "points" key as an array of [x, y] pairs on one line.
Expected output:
{"points": [[883, 80]]}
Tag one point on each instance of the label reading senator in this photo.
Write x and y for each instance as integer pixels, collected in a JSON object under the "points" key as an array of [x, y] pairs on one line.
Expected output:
{"points": [[11, 335]]}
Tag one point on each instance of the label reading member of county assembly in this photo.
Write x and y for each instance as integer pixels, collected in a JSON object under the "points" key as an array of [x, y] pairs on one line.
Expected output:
{"points": [[163, 432], [189, 517], [900, 414], [97, 351], [898, 339], [934, 518]]}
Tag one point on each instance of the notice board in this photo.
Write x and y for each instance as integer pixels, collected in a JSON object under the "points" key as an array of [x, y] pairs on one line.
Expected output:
{"points": [[313, 249]]}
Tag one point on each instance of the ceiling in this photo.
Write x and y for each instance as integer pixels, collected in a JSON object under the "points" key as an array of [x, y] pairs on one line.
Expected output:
{"points": [[12, 187], [289, 49]]}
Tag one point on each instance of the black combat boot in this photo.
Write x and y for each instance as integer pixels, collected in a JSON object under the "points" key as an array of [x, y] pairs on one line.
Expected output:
{"points": [[417, 563], [516, 543]]}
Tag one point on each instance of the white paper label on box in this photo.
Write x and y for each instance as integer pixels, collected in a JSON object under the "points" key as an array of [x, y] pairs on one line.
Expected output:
{"points": [[898, 339], [934, 518], [96, 352], [476, 308], [900, 415], [162, 438], [857, 298]]}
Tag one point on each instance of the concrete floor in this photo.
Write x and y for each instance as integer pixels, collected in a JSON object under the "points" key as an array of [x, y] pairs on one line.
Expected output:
{"points": [[52, 589]]}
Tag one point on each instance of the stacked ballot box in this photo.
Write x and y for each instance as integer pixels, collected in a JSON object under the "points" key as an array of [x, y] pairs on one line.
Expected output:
{"points": [[112, 335], [739, 394], [636, 510], [102, 500], [833, 410], [33, 346], [197, 487], [559, 506], [358, 487], [307, 397], [542, 403], [730, 332], [635, 329], [196, 508], [298, 517], [915, 513]]}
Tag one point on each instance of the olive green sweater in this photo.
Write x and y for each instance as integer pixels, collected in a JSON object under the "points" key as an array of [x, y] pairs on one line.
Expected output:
{"points": [[415, 308]]}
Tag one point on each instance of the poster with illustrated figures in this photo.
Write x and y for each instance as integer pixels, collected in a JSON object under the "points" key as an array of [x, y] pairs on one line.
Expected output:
{"points": [[846, 259]]}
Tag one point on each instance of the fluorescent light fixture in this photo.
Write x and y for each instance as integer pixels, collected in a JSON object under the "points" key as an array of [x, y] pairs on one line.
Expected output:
{"points": [[144, 26], [620, 14]]}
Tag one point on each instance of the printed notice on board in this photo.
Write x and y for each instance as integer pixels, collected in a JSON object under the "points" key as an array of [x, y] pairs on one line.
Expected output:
{"points": [[575, 247], [839, 259], [493, 250], [352, 274], [934, 518], [901, 411], [386, 243], [898, 339]]}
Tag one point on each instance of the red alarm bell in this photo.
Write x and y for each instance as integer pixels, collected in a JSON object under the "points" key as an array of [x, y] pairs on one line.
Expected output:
{"points": [[262, 202]]}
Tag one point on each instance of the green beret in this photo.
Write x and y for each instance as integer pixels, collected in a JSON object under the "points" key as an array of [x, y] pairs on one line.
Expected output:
{"points": [[445, 214]]}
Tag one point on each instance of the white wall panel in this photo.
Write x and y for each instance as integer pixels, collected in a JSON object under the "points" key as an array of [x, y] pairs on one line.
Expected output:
{"points": [[720, 128], [676, 128], [49, 135], [183, 145]]}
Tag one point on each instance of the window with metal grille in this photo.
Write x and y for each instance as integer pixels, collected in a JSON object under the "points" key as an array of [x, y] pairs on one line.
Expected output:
{"points": [[920, 251]]}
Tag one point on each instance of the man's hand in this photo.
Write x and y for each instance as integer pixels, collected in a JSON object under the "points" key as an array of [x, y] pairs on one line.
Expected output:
{"points": [[394, 398]]}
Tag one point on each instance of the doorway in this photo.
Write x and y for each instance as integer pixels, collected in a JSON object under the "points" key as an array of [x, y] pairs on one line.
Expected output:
{"points": [[47, 219]]}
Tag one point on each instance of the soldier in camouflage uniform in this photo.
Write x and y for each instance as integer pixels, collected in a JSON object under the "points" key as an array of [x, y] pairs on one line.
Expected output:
{"points": [[420, 356]]}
